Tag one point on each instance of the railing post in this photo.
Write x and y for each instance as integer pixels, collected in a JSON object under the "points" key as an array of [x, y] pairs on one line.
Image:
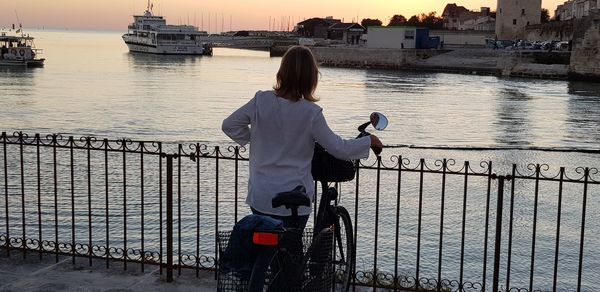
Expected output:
{"points": [[169, 218], [497, 242]]}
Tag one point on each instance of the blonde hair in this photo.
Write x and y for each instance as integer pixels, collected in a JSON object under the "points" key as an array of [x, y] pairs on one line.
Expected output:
{"points": [[298, 75]]}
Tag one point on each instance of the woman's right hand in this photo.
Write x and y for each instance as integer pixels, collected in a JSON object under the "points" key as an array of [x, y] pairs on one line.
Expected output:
{"points": [[376, 145]]}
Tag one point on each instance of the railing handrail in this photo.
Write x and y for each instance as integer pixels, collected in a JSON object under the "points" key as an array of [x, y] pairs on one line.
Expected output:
{"points": [[497, 148], [388, 146]]}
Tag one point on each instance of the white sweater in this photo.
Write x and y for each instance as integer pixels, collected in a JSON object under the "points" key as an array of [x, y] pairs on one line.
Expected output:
{"points": [[282, 135]]}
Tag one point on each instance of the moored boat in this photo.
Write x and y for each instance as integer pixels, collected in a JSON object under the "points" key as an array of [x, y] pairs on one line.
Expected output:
{"points": [[19, 51], [151, 34]]}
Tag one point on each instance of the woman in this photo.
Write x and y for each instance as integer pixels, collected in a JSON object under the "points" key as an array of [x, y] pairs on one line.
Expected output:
{"points": [[282, 126]]}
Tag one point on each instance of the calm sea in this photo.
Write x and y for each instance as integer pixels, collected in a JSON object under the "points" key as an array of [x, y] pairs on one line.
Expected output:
{"points": [[91, 85]]}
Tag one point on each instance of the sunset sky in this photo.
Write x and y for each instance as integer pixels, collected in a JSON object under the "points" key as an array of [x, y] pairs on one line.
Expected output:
{"points": [[234, 14]]}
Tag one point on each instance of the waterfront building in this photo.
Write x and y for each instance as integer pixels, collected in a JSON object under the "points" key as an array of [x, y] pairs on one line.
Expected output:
{"points": [[316, 27], [256, 33], [391, 37], [452, 15], [512, 16], [349, 33], [575, 9], [400, 37], [485, 23], [460, 18], [463, 38]]}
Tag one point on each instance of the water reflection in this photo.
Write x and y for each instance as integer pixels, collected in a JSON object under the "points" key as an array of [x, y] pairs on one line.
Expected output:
{"points": [[17, 74], [397, 81], [584, 88], [17, 81], [161, 62], [513, 117], [583, 120]]}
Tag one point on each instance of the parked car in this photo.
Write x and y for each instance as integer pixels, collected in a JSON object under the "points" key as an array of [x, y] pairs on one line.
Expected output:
{"points": [[503, 44], [523, 45], [561, 46]]}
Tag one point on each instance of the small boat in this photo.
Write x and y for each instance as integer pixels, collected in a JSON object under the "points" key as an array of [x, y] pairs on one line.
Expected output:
{"points": [[150, 34], [19, 51]]}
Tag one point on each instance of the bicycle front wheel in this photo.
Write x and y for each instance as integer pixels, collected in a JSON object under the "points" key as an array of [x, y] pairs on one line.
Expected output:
{"points": [[343, 254], [315, 271]]}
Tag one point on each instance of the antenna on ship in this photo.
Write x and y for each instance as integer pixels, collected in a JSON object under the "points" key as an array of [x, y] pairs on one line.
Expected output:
{"points": [[150, 7], [20, 30]]}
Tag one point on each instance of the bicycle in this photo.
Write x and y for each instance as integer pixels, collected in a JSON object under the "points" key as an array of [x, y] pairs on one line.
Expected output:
{"points": [[330, 257], [280, 264], [328, 169]]}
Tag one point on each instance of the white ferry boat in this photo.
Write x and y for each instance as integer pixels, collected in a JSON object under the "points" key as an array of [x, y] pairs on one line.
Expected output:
{"points": [[19, 50], [151, 34]]}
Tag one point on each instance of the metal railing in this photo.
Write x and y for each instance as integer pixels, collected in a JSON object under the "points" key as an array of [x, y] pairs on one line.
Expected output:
{"points": [[427, 226]]}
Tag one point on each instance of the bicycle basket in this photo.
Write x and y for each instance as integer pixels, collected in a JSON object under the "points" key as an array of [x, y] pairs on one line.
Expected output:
{"points": [[327, 168], [231, 280]]}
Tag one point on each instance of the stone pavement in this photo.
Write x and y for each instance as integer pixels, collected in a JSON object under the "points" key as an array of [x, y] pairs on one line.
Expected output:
{"points": [[33, 274], [46, 275]]}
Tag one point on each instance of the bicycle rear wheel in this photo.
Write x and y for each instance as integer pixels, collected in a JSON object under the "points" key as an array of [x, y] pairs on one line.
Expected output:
{"points": [[260, 270], [343, 255], [275, 269]]}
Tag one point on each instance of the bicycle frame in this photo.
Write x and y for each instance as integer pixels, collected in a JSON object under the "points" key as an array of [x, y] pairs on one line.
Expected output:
{"points": [[325, 214], [327, 218]]}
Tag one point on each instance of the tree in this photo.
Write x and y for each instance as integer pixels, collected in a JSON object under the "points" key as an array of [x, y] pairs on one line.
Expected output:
{"points": [[397, 20], [413, 20], [370, 22], [545, 15], [431, 21]]}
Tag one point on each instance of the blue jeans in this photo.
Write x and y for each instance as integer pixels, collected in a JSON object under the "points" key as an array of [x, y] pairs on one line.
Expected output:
{"points": [[288, 221]]}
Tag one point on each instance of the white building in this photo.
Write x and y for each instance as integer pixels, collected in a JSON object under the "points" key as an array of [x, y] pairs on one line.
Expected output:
{"points": [[460, 18], [392, 37], [486, 23], [512, 16], [575, 9]]}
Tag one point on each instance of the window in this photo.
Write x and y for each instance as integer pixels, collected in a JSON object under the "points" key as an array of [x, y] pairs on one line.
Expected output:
{"points": [[409, 35], [522, 11], [514, 22]]}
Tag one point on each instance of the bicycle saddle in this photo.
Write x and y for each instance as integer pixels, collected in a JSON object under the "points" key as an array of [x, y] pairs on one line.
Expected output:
{"points": [[292, 199]]}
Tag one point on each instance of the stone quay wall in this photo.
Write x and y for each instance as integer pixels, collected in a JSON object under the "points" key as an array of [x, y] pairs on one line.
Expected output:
{"points": [[358, 57], [585, 59], [464, 61], [558, 30]]}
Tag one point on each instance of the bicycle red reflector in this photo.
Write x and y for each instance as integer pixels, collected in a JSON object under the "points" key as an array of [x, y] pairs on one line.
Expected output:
{"points": [[264, 238]]}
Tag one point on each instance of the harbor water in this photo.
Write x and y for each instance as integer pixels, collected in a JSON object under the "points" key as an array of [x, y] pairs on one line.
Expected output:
{"points": [[91, 85]]}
